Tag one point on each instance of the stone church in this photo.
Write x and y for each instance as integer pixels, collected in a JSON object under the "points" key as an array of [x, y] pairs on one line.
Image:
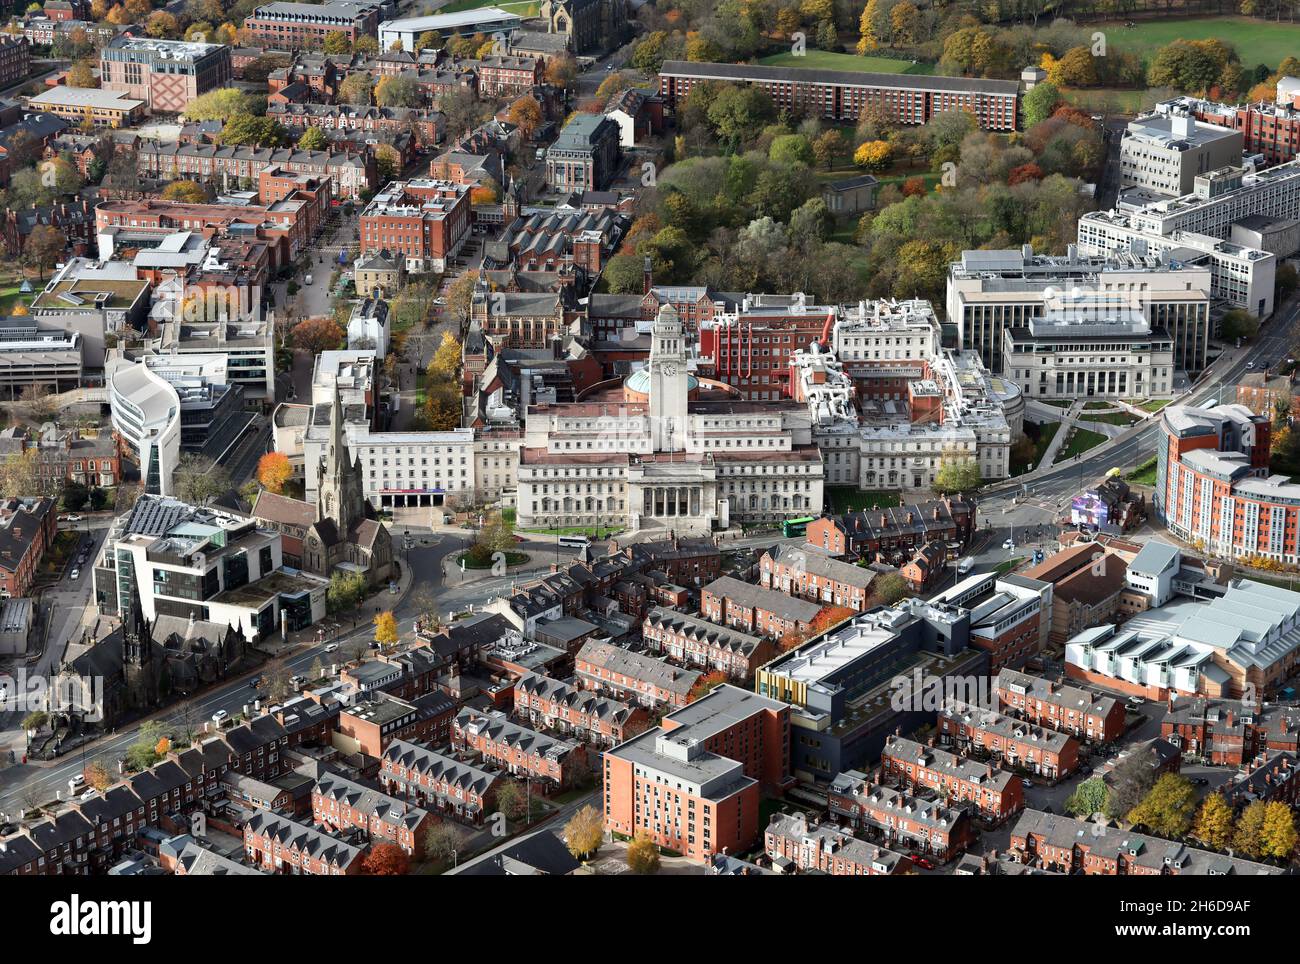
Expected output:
{"points": [[592, 26], [340, 530]]}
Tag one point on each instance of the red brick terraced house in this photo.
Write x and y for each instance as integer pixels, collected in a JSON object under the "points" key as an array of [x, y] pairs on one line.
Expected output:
{"points": [[811, 574], [341, 804], [1092, 718], [1064, 844], [901, 528], [626, 675], [697, 642], [438, 782], [520, 751], [791, 842], [1050, 753], [581, 714], [996, 794], [27, 528], [279, 845], [899, 818], [506, 76], [1230, 732], [766, 612]]}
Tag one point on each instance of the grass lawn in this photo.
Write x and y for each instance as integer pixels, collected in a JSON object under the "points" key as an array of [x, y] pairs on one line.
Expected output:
{"points": [[1082, 441], [1005, 567], [1256, 41], [1153, 404], [1056, 402], [1115, 99], [512, 559], [605, 531], [1093, 406], [1042, 435], [9, 297], [830, 60], [844, 498], [1112, 418], [1144, 474], [525, 8]]}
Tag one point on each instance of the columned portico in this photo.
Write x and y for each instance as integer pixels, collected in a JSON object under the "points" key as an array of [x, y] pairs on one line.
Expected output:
{"points": [[681, 494]]}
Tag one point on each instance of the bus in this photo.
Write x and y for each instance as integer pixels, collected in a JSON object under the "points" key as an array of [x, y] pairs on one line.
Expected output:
{"points": [[795, 527], [573, 542]]}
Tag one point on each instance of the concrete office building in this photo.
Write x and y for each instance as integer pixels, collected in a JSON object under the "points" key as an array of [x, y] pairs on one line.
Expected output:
{"points": [[36, 354], [1077, 354], [990, 292], [1165, 154]]}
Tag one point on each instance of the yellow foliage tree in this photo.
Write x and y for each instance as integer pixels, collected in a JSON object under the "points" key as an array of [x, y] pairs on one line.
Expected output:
{"points": [[386, 629], [273, 471], [872, 155]]}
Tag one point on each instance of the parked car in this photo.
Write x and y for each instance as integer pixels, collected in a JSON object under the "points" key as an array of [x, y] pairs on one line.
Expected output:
{"points": [[1027, 784], [220, 717], [925, 863], [74, 574], [1201, 781], [76, 783]]}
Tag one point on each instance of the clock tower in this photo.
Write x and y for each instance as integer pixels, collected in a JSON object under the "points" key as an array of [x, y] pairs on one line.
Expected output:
{"points": [[669, 384]]}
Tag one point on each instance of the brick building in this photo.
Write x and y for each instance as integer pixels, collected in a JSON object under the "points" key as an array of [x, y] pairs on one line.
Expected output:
{"points": [[340, 804], [626, 675], [15, 53], [994, 793], [765, 612], [425, 220], [1063, 844], [165, 74], [522, 752], [368, 726], [1230, 732], [582, 714], [697, 642], [862, 534], [841, 95], [814, 576], [438, 782], [296, 26], [507, 76], [791, 842], [27, 529], [898, 818], [682, 785], [1070, 709], [585, 155], [347, 174], [968, 729], [279, 845]]}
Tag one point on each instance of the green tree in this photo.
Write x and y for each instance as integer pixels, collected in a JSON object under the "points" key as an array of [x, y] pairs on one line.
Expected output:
{"points": [[219, 105], [357, 88], [1168, 809], [345, 592], [143, 753], [791, 149], [313, 139], [398, 91], [248, 130], [1130, 781], [1239, 323], [888, 589], [737, 113], [1039, 103], [1089, 797], [957, 474], [510, 799]]}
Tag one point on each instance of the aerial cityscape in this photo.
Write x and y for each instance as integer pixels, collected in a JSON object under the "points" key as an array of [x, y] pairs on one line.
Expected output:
{"points": [[649, 438]]}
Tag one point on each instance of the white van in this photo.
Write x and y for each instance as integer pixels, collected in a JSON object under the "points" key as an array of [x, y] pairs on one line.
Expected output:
{"points": [[966, 565], [307, 280]]}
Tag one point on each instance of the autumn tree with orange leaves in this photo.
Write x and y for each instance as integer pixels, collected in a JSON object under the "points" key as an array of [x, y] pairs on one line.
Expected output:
{"points": [[386, 860], [273, 471], [706, 684]]}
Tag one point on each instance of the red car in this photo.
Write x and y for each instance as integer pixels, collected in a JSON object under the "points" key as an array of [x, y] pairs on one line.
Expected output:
{"points": [[925, 863]]}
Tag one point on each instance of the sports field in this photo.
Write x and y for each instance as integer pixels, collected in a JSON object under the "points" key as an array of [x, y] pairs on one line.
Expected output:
{"points": [[1256, 41], [829, 60]]}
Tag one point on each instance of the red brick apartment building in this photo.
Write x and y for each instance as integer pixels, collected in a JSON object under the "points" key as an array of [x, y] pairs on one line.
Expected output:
{"points": [[27, 529], [507, 76], [906, 527], [1051, 753], [626, 675], [338, 803], [1060, 843], [438, 782], [815, 576], [840, 95], [765, 612], [792, 843], [676, 784], [1230, 732], [1070, 709], [425, 220], [582, 714], [697, 642], [15, 53], [295, 26], [900, 818], [751, 348], [996, 794], [279, 845], [520, 751]]}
